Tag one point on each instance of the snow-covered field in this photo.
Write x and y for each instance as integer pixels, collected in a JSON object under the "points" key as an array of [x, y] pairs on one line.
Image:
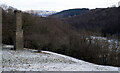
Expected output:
{"points": [[27, 60]]}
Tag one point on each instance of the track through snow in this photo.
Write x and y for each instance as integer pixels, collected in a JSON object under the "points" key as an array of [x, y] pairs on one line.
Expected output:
{"points": [[27, 60]]}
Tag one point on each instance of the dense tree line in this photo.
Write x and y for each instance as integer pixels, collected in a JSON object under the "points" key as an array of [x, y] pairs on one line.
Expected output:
{"points": [[48, 33], [102, 21], [69, 13]]}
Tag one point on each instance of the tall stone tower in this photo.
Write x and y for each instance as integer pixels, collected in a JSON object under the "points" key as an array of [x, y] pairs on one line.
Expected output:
{"points": [[18, 31]]}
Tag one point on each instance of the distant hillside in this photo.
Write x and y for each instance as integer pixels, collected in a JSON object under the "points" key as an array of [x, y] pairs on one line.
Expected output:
{"points": [[43, 13], [100, 20], [69, 13]]}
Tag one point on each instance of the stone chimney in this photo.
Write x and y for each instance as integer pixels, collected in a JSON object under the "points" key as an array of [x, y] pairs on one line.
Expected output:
{"points": [[18, 31], [119, 4], [0, 39]]}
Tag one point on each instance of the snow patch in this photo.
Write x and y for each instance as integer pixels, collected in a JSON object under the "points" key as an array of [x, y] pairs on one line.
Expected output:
{"points": [[28, 60]]}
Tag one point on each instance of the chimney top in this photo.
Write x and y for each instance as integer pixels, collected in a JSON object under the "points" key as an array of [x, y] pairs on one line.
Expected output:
{"points": [[17, 11]]}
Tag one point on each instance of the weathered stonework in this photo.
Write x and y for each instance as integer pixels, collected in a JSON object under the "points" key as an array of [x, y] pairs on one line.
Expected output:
{"points": [[119, 4], [0, 39], [19, 31]]}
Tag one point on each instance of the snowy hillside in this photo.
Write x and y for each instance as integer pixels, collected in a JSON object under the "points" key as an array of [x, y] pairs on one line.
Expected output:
{"points": [[28, 60], [112, 43], [43, 13]]}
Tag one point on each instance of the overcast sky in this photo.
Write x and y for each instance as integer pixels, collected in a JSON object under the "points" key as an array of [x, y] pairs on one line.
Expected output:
{"points": [[58, 5]]}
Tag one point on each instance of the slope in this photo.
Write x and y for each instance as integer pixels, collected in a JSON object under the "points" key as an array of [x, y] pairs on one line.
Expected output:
{"points": [[46, 61]]}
